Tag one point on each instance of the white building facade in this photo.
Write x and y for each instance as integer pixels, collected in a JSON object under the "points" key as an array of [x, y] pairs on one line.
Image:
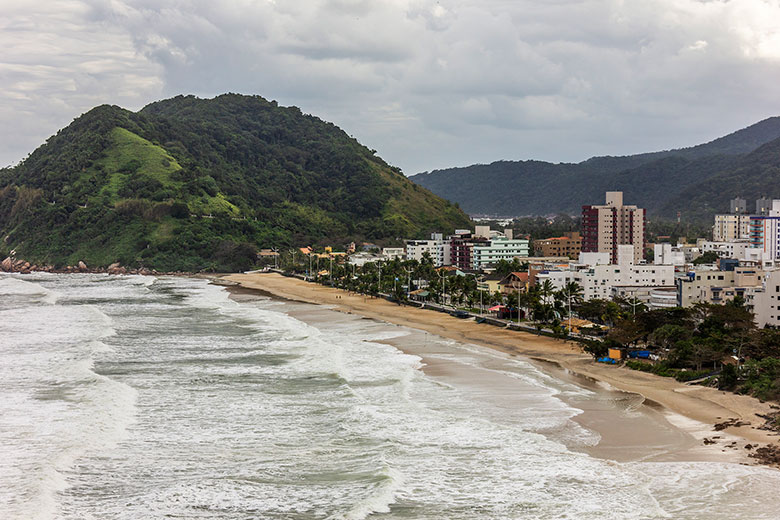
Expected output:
{"points": [[437, 247], [601, 281], [766, 302]]}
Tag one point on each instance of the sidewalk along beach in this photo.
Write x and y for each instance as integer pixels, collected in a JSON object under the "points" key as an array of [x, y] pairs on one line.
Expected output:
{"points": [[645, 417]]}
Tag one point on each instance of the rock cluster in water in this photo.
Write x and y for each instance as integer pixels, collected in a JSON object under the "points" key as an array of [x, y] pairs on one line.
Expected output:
{"points": [[13, 265]]}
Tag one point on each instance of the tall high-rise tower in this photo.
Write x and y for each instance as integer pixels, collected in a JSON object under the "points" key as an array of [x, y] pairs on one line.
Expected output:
{"points": [[607, 226]]}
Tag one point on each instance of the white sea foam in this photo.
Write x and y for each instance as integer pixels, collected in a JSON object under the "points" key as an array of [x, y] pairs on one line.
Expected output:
{"points": [[202, 407], [51, 393]]}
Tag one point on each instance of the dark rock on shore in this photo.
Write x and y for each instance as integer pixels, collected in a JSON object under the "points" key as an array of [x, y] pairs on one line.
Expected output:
{"points": [[769, 455], [11, 265]]}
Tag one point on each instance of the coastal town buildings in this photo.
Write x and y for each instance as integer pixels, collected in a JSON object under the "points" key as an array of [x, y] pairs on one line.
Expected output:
{"points": [[610, 263], [607, 226], [598, 280], [736, 249]]}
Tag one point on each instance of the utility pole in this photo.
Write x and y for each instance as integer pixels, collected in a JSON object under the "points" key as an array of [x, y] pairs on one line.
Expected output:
{"points": [[633, 302]]}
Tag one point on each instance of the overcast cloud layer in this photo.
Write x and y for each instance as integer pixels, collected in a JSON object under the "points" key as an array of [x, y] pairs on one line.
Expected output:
{"points": [[427, 84]]}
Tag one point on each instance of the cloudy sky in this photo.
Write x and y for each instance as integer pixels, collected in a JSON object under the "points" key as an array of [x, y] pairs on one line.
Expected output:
{"points": [[429, 84]]}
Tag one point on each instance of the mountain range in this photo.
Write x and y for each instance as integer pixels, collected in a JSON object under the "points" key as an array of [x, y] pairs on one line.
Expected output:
{"points": [[199, 184], [696, 182]]}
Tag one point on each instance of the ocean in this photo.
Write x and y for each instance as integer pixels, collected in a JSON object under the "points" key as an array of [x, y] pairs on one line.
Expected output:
{"points": [[156, 398]]}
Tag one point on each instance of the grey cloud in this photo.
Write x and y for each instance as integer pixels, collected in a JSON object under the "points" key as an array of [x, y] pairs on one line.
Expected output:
{"points": [[427, 83]]}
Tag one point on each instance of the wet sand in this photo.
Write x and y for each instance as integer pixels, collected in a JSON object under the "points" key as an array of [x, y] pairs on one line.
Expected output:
{"points": [[638, 416]]}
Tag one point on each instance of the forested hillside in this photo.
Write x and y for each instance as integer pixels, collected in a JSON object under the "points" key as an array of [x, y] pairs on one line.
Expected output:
{"points": [[696, 181], [192, 184]]}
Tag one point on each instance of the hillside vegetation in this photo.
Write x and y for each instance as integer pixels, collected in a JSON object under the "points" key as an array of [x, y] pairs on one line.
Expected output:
{"points": [[193, 184], [696, 181]]}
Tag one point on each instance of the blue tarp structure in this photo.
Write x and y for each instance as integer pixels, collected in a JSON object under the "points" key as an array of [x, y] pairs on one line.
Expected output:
{"points": [[641, 354], [606, 360]]}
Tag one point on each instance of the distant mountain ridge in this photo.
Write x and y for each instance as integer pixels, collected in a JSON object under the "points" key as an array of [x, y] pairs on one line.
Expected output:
{"points": [[193, 184], [664, 182]]}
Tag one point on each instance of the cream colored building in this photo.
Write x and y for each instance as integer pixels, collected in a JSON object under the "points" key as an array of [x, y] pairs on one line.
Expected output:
{"points": [[718, 287], [730, 228]]}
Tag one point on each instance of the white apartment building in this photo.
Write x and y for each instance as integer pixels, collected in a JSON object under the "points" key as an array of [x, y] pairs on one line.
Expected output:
{"points": [[499, 249], [766, 301], [437, 247], [666, 254]]}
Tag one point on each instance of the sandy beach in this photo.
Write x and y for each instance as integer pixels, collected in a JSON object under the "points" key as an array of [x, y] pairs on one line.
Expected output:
{"points": [[689, 408]]}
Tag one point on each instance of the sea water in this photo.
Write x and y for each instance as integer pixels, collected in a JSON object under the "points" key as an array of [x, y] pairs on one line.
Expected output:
{"points": [[150, 398]]}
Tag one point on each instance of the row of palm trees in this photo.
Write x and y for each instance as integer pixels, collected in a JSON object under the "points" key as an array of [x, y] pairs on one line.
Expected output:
{"points": [[399, 278]]}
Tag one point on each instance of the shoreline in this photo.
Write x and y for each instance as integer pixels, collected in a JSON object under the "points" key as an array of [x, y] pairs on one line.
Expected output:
{"points": [[698, 408]]}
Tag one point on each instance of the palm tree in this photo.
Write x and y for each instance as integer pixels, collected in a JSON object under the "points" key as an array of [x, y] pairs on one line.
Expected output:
{"points": [[546, 290]]}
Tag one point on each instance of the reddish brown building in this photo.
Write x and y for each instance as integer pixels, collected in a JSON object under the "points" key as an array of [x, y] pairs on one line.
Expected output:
{"points": [[612, 224], [461, 249]]}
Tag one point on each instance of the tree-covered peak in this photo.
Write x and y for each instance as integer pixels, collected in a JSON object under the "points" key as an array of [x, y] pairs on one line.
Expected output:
{"points": [[187, 182]]}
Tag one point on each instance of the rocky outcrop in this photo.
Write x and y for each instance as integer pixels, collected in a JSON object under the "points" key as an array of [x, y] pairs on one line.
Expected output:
{"points": [[116, 268], [12, 265], [769, 455]]}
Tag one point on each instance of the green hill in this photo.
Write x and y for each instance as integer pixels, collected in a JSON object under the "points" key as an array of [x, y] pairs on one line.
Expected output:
{"points": [[192, 184], [663, 182]]}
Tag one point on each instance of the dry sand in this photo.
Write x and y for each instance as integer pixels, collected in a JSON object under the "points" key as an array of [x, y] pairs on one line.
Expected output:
{"points": [[694, 408]]}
